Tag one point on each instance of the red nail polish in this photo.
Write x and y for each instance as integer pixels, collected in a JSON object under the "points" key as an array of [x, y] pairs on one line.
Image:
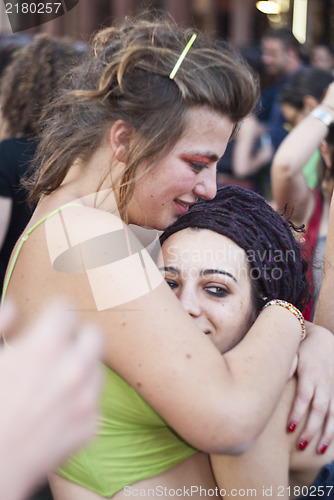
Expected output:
{"points": [[292, 426], [323, 448], [302, 444]]}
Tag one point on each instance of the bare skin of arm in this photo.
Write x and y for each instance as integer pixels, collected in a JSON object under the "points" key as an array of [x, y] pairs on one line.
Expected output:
{"points": [[5, 212], [169, 351], [273, 466], [288, 182], [315, 379], [245, 160], [324, 314]]}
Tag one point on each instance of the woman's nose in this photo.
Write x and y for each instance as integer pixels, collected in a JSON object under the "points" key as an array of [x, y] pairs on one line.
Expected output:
{"points": [[189, 300], [207, 184]]}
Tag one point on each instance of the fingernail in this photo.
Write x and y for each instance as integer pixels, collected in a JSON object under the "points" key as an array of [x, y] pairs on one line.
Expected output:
{"points": [[292, 425], [302, 444], [323, 448]]}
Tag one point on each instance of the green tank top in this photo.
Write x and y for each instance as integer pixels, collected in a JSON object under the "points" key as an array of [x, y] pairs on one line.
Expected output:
{"points": [[133, 442]]}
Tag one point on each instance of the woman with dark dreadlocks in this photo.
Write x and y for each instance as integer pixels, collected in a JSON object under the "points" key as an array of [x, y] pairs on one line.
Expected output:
{"points": [[225, 260]]}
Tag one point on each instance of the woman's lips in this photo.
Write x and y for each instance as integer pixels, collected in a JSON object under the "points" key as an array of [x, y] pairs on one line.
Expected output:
{"points": [[182, 207]]}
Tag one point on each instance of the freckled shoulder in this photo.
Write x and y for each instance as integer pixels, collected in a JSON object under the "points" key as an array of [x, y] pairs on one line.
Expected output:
{"points": [[101, 245], [77, 224]]}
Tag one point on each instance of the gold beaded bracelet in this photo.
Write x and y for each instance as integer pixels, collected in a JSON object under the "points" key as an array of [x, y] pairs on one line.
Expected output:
{"points": [[296, 312]]}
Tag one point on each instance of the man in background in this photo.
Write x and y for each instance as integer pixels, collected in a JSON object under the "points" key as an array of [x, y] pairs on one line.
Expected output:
{"points": [[281, 59]]}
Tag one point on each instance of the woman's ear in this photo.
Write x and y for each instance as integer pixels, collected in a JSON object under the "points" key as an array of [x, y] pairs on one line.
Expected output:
{"points": [[119, 138], [310, 103]]}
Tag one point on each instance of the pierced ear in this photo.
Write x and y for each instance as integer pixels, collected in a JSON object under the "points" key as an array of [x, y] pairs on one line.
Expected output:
{"points": [[119, 137]]}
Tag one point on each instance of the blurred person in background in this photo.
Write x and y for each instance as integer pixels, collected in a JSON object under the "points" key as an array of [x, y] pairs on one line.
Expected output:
{"points": [[249, 156], [281, 59], [305, 194], [322, 57], [8, 46], [54, 410], [249, 153], [28, 84]]}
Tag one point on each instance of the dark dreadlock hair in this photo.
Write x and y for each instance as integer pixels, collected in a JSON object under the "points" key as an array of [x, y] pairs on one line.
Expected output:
{"points": [[277, 267]]}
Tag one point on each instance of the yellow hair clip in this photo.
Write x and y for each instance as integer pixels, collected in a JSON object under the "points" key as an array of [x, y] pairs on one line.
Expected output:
{"points": [[182, 56]]}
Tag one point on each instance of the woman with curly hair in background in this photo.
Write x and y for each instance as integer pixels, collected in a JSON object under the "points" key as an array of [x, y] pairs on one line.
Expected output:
{"points": [[28, 84]]}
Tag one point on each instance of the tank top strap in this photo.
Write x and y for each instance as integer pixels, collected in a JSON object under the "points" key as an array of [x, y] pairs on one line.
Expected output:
{"points": [[22, 241]]}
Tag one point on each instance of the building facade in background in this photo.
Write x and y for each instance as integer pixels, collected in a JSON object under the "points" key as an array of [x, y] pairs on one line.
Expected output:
{"points": [[238, 21]]}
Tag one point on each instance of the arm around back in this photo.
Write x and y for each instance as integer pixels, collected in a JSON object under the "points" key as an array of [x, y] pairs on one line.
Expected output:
{"points": [[219, 404], [212, 401]]}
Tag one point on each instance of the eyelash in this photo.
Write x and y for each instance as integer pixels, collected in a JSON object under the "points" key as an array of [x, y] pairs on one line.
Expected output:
{"points": [[170, 283], [222, 293], [197, 167], [209, 289]]}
